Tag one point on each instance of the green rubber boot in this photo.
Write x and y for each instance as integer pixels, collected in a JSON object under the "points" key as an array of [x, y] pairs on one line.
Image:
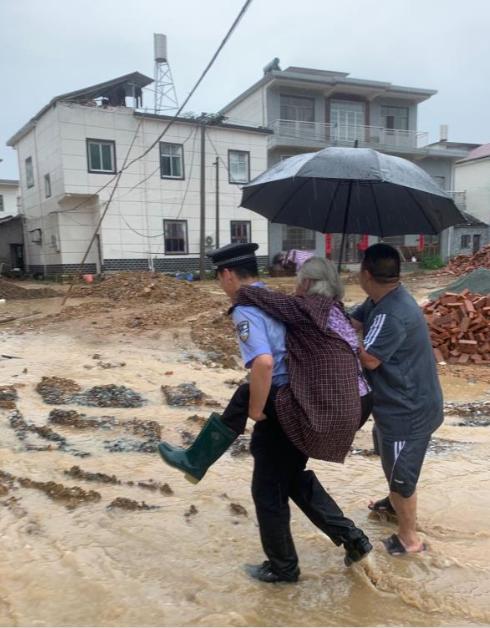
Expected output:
{"points": [[211, 443]]}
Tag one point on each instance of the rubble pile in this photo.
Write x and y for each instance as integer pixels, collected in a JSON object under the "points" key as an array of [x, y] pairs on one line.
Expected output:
{"points": [[13, 292], [8, 397], [133, 286], [462, 264], [215, 334], [459, 327], [61, 391]]}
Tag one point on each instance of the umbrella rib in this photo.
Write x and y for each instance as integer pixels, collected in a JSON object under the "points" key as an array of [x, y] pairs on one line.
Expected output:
{"points": [[422, 210], [329, 211], [371, 187], [293, 193]]}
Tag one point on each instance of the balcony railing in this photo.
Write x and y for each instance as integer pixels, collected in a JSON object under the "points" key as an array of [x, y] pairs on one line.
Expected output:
{"points": [[346, 135]]}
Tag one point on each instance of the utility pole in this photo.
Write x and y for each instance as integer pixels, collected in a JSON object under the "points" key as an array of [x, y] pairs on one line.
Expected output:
{"points": [[216, 164], [202, 239]]}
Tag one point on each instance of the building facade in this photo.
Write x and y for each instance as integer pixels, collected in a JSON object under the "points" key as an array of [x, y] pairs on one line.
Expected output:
{"points": [[310, 109], [69, 155], [472, 180]]}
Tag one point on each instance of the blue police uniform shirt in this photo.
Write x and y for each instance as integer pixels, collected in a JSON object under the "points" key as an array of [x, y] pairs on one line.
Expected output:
{"points": [[259, 333]]}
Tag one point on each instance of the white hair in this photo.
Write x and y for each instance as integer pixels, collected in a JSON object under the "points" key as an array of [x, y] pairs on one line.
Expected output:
{"points": [[323, 277]]}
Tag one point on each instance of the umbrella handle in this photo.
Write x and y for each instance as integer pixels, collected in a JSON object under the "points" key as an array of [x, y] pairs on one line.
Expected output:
{"points": [[344, 227]]}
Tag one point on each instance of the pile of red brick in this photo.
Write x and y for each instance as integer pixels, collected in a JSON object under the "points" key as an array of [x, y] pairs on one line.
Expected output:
{"points": [[462, 264], [459, 327]]}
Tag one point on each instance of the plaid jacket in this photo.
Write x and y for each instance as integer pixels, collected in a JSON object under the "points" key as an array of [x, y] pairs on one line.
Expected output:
{"points": [[320, 408]]}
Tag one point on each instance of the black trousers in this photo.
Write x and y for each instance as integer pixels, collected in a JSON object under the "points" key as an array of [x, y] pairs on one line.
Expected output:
{"points": [[279, 474]]}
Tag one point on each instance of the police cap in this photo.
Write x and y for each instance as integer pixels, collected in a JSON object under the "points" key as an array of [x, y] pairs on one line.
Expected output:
{"points": [[233, 255]]}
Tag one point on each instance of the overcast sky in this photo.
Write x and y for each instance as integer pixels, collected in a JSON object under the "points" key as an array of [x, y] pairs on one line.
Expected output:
{"points": [[53, 46]]}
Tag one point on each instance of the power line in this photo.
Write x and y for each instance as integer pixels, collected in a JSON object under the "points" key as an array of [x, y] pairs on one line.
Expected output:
{"points": [[200, 79], [117, 176]]}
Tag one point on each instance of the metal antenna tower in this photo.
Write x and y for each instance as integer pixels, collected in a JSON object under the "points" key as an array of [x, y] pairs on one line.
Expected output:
{"points": [[165, 94]]}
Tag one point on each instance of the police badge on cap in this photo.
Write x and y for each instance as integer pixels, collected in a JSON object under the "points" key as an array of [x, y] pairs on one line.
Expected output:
{"points": [[233, 255]]}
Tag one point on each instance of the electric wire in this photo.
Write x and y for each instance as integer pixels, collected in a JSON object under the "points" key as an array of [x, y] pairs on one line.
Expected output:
{"points": [[127, 163], [235, 23]]}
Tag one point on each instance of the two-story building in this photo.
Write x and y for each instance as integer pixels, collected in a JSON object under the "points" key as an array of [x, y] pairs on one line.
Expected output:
{"points": [[69, 155], [309, 109]]}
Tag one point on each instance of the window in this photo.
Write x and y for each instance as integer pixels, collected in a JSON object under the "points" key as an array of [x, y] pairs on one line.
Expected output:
{"points": [[394, 117], [298, 238], [240, 231], [171, 161], [101, 156], [238, 166], [175, 236], [465, 241], [2, 207], [29, 173], [47, 185], [297, 108], [347, 120]]}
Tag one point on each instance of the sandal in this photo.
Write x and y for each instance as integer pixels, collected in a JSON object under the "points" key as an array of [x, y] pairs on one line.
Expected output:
{"points": [[383, 505], [395, 547]]}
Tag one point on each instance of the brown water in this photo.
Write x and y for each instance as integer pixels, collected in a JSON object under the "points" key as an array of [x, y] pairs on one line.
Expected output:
{"points": [[94, 566]]}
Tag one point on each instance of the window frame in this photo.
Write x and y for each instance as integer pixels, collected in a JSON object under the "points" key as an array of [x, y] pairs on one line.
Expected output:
{"points": [[182, 163], [47, 186], [112, 144], [249, 231], [245, 152], [288, 237], [186, 236], [2, 204], [466, 237], [283, 105], [29, 172], [399, 108]]}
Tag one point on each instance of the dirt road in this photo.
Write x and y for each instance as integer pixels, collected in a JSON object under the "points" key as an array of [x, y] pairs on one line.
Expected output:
{"points": [[96, 531]]}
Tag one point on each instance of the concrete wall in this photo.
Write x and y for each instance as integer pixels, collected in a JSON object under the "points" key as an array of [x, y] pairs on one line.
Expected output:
{"points": [[251, 110], [9, 195], [473, 177], [455, 247]]}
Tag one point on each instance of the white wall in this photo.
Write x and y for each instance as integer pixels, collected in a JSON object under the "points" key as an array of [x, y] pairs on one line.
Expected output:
{"points": [[9, 195], [251, 110], [473, 177]]}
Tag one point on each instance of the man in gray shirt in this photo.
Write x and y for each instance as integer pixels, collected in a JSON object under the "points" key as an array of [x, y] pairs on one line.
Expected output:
{"points": [[407, 397]]}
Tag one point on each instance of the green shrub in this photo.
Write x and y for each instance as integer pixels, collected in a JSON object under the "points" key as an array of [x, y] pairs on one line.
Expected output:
{"points": [[431, 262]]}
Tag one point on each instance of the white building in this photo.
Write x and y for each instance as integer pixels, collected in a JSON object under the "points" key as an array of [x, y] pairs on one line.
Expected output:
{"points": [[9, 193], [472, 180], [78, 142]]}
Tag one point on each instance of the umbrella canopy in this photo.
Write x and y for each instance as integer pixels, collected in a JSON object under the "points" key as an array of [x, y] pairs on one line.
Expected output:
{"points": [[352, 190]]}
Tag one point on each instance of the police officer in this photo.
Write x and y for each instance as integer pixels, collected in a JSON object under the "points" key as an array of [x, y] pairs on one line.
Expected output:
{"points": [[279, 467]]}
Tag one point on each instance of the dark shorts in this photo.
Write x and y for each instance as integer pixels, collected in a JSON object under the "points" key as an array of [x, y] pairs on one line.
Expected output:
{"points": [[402, 462]]}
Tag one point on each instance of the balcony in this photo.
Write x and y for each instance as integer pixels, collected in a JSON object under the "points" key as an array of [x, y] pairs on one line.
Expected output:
{"points": [[315, 135]]}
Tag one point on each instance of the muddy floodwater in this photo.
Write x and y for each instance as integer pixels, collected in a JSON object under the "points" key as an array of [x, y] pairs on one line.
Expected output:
{"points": [[96, 531]]}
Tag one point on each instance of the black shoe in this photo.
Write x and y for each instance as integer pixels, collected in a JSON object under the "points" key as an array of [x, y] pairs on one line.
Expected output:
{"points": [[264, 573], [356, 549]]}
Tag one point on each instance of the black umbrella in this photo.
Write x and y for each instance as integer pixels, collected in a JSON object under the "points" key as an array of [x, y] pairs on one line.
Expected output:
{"points": [[352, 190]]}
